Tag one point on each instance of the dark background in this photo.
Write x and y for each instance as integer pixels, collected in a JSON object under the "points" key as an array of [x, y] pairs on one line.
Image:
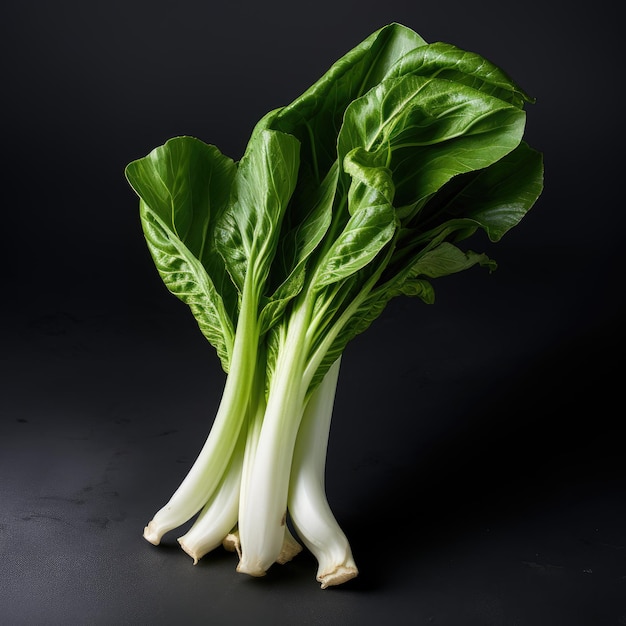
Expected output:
{"points": [[476, 458]]}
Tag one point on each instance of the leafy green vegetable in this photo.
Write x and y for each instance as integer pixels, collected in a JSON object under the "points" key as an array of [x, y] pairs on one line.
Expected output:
{"points": [[357, 192]]}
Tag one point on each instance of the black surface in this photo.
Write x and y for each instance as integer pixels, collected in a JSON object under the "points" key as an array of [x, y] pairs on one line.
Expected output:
{"points": [[476, 458]]}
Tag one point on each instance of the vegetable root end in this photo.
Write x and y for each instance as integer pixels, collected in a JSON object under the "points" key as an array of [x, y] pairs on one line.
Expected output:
{"points": [[151, 534], [188, 550], [252, 569], [339, 575], [290, 549]]}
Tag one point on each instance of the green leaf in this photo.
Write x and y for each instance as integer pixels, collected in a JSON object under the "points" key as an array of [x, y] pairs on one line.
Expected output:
{"points": [[443, 60], [443, 260], [364, 236], [184, 187], [297, 244], [371, 225], [188, 184], [316, 116], [186, 278], [430, 130], [412, 243], [499, 196], [248, 231]]}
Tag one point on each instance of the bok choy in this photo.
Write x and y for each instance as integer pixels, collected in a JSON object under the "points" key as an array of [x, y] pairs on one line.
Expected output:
{"points": [[360, 190]]}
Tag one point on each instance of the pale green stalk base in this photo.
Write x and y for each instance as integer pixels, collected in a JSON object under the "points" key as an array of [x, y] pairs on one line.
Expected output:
{"points": [[207, 471], [195, 490]]}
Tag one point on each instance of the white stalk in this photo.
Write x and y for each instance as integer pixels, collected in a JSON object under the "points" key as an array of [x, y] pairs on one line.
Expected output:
{"points": [[233, 541], [310, 511], [263, 512], [208, 469]]}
